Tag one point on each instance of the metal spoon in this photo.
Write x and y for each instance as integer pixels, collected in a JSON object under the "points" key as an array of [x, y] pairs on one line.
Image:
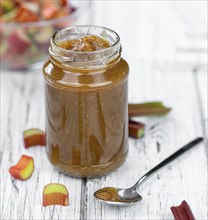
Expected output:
{"points": [[117, 196]]}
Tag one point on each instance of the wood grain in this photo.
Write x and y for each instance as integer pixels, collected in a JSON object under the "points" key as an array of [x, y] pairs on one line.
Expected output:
{"points": [[154, 36], [201, 89], [23, 107], [183, 179]]}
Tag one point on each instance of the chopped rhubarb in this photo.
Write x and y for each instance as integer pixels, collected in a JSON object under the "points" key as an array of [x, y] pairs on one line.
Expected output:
{"points": [[55, 194], [19, 42], [43, 35], [33, 10], [33, 137], [23, 169], [49, 10], [182, 212], [136, 129], [6, 6], [26, 15], [64, 2], [148, 109]]}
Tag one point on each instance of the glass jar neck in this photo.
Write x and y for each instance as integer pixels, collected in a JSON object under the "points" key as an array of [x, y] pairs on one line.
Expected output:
{"points": [[102, 58]]}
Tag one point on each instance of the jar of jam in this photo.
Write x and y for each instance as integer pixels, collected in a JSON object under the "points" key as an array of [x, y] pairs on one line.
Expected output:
{"points": [[86, 101]]}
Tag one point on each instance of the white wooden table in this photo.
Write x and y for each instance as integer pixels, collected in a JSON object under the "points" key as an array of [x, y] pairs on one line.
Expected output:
{"points": [[163, 41]]}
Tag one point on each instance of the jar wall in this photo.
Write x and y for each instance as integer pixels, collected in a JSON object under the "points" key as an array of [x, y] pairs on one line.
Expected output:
{"points": [[87, 121]]}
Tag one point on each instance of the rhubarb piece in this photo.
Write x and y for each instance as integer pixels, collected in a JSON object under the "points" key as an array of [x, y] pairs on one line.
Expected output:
{"points": [[63, 13], [33, 10], [9, 16], [3, 48], [55, 194], [26, 15], [33, 137], [136, 129], [182, 212], [49, 10], [6, 5], [23, 169], [18, 41], [148, 109], [64, 2], [43, 35]]}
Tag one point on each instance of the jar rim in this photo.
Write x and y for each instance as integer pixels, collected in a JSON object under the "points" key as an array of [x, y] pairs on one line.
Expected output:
{"points": [[53, 39]]}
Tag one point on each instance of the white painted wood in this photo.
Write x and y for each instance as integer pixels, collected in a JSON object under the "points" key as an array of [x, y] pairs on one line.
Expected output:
{"points": [[186, 178], [153, 35], [153, 31], [201, 85], [22, 107]]}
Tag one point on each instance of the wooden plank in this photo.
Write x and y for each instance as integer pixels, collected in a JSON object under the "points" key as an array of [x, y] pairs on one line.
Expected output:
{"points": [[23, 107], [155, 85], [186, 178], [201, 83], [152, 31], [202, 87]]}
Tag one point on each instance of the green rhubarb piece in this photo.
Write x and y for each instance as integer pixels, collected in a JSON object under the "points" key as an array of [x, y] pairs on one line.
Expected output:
{"points": [[148, 109], [3, 48], [6, 5], [9, 16]]}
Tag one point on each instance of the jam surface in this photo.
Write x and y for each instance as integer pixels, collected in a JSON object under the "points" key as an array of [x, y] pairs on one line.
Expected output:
{"points": [[85, 44], [108, 194], [111, 194]]}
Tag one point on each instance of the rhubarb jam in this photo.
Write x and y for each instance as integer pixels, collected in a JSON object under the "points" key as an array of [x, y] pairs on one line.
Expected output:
{"points": [[86, 101], [85, 44], [108, 194]]}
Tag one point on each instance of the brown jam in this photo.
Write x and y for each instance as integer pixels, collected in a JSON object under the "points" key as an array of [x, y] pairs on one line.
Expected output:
{"points": [[86, 109], [85, 44], [108, 194]]}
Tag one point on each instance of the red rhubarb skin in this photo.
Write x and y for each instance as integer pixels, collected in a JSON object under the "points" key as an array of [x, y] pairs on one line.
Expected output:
{"points": [[182, 212], [34, 140], [133, 128], [22, 164], [55, 199], [17, 43]]}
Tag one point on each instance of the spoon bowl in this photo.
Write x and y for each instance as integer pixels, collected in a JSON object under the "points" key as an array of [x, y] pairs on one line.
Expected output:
{"points": [[117, 196]]}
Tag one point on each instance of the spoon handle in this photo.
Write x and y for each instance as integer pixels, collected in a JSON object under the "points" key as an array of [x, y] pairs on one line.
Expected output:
{"points": [[168, 160]]}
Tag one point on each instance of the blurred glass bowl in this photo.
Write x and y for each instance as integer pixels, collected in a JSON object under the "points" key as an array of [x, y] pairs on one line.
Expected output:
{"points": [[25, 46]]}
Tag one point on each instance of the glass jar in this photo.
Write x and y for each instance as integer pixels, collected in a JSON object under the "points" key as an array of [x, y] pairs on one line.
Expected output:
{"points": [[86, 104]]}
